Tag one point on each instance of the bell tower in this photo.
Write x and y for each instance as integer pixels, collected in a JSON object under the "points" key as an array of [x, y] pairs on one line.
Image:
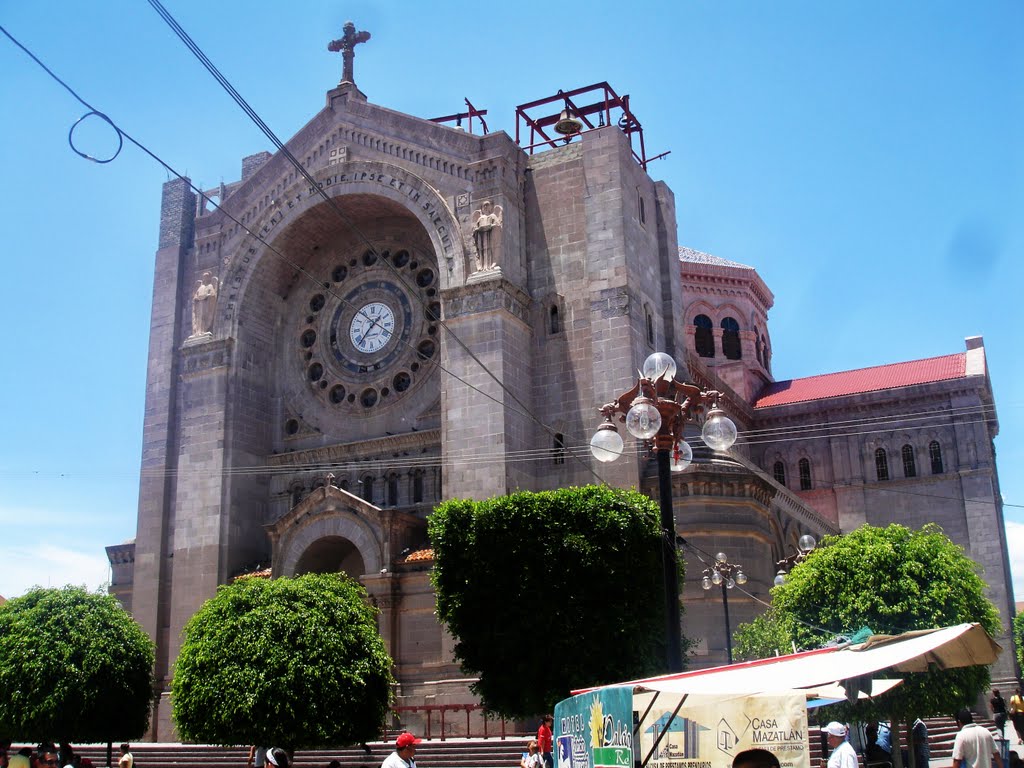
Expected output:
{"points": [[726, 321]]}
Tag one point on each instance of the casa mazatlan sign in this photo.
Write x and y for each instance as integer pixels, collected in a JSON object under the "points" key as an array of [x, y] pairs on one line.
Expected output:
{"points": [[670, 730]]}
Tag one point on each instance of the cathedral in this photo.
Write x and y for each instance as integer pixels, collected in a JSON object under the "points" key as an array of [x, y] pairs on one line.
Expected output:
{"points": [[397, 311]]}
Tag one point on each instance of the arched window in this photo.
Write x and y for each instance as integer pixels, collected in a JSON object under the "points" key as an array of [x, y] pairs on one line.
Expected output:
{"points": [[805, 474], [366, 488], [554, 324], [766, 354], [731, 339], [757, 346], [392, 490], [650, 328], [881, 464], [558, 452], [935, 454], [296, 493], [909, 465], [779, 471], [417, 486], [704, 339]]}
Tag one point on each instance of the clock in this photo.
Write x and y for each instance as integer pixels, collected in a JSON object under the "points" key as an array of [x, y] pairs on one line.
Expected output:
{"points": [[367, 336], [372, 327]]}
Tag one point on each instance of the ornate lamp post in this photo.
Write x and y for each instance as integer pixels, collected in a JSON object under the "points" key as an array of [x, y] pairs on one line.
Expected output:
{"points": [[805, 544], [727, 575], [657, 410]]}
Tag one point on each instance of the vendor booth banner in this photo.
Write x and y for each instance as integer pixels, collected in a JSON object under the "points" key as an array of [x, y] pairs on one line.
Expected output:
{"points": [[595, 730], [709, 731]]}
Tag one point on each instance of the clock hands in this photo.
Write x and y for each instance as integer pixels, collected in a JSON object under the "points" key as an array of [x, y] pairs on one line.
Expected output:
{"points": [[372, 327]]}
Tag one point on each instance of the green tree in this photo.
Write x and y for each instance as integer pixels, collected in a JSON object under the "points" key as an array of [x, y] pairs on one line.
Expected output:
{"points": [[1018, 637], [545, 592], [296, 663], [74, 666], [892, 580]]}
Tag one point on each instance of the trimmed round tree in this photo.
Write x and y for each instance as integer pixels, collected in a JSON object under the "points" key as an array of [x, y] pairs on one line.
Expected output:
{"points": [[545, 592], [297, 663], [74, 666]]}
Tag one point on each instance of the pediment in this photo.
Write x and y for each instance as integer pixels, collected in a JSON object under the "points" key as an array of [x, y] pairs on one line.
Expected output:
{"points": [[324, 500]]}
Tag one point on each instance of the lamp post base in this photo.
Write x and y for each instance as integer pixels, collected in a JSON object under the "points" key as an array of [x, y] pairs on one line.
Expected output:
{"points": [[670, 564]]}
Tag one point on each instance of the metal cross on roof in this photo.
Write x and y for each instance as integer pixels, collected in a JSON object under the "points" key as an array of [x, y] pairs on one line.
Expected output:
{"points": [[346, 44]]}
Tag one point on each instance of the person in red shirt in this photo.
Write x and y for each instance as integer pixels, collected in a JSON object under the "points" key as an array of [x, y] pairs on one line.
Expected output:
{"points": [[544, 741]]}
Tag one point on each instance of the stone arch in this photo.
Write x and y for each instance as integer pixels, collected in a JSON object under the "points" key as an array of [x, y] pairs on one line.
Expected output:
{"points": [[780, 534], [728, 309], [700, 308], [360, 182], [331, 554], [327, 521]]}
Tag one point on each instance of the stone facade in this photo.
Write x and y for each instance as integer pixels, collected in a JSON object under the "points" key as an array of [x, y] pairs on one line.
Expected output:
{"points": [[909, 443], [291, 431]]}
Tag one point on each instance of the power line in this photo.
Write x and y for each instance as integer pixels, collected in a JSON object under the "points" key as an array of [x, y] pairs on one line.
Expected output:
{"points": [[301, 169], [949, 412], [122, 134], [770, 435]]}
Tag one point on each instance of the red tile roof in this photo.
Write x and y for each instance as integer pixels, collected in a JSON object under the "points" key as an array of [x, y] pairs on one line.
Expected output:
{"points": [[264, 573], [420, 556], [864, 380]]}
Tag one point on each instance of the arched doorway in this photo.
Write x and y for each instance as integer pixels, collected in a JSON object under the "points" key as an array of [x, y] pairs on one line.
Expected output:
{"points": [[331, 554]]}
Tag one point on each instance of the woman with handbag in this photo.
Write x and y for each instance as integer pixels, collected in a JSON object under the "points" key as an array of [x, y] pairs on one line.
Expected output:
{"points": [[1017, 714]]}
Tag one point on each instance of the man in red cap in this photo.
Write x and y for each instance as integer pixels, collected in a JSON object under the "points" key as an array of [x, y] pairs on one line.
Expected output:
{"points": [[404, 755]]}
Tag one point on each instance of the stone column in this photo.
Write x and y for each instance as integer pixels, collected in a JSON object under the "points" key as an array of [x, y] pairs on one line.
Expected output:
{"points": [[171, 296]]}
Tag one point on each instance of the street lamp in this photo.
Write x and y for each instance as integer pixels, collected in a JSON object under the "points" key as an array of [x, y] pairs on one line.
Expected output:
{"points": [[727, 575], [657, 409], [804, 545]]}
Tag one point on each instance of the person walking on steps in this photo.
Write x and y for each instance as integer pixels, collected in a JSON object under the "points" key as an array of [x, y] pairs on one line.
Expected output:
{"points": [[545, 743], [974, 746], [998, 704], [1017, 714], [404, 755]]}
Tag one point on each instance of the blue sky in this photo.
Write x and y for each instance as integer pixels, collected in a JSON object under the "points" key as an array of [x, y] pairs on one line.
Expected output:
{"points": [[865, 157]]}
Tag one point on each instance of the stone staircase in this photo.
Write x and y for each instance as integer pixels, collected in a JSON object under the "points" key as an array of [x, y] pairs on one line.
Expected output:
{"points": [[450, 753], [478, 752]]}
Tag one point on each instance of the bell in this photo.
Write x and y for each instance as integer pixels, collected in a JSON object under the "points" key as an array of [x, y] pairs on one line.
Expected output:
{"points": [[568, 123]]}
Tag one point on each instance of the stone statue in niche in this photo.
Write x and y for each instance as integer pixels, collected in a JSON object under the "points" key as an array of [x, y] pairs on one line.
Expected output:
{"points": [[486, 221], [204, 304]]}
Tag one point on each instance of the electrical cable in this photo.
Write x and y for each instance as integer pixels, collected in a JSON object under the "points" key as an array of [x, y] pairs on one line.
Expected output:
{"points": [[529, 455], [122, 135], [882, 419], [802, 430], [854, 434], [697, 551], [540, 453], [346, 220]]}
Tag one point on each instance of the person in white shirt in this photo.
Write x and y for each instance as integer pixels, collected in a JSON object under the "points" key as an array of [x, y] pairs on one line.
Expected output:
{"points": [[404, 755], [843, 754], [531, 757], [974, 746]]}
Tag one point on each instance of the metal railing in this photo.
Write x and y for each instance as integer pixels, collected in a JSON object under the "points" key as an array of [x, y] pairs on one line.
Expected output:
{"points": [[444, 713]]}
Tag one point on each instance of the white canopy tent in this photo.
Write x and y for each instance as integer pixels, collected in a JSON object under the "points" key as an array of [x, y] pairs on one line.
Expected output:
{"points": [[962, 645], [702, 719]]}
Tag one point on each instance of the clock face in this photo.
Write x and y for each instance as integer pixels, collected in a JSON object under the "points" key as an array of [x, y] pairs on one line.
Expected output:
{"points": [[367, 335], [372, 327]]}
